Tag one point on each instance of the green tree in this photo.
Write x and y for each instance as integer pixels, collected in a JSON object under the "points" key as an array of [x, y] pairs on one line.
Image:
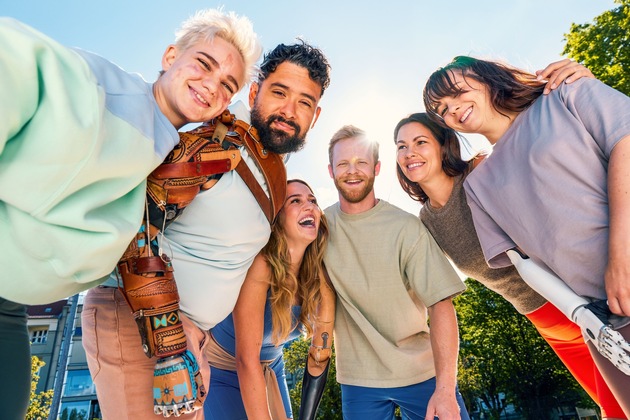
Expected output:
{"points": [[39, 407], [604, 46], [295, 359], [504, 360]]}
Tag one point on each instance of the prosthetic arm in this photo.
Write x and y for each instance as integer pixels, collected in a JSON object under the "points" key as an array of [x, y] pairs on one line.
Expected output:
{"points": [[150, 290], [147, 273], [596, 328], [318, 359]]}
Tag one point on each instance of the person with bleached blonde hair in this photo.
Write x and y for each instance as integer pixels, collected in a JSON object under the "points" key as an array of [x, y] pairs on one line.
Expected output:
{"points": [[77, 140]]}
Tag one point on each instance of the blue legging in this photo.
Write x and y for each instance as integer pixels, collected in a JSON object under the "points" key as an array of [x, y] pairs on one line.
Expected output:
{"points": [[224, 400], [362, 403], [15, 353]]}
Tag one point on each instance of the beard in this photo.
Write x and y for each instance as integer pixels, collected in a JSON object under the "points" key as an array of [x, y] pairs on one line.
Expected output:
{"points": [[277, 141], [354, 195]]}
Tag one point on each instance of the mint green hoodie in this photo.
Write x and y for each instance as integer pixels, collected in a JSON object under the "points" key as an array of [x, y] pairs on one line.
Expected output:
{"points": [[78, 137]]}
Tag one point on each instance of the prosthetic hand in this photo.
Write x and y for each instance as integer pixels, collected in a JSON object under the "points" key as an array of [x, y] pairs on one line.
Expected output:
{"points": [[313, 386], [596, 328], [150, 290], [174, 393]]}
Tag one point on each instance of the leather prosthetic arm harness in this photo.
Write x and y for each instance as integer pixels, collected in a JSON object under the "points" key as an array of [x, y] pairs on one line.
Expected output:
{"points": [[147, 273], [149, 287]]}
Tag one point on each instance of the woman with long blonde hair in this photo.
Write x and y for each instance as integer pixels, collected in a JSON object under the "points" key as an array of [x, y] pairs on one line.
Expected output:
{"points": [[284, 295]]}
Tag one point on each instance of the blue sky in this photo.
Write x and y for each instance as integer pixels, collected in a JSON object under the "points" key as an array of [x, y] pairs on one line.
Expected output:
{"points": [[381, 52]]}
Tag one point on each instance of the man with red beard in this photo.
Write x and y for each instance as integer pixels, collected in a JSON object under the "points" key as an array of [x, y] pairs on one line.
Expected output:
{"points": [[212, 243], [389, 274]]}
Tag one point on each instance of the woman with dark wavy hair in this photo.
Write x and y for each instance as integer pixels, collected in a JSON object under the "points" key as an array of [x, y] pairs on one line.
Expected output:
{"points": [[430, 169], [557, 184], [284, 295]]}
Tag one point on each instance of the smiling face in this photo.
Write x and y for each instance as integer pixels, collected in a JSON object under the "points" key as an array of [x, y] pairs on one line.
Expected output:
{"points": [[468, 110], [284, 107], [471, 109], [199, 82], [300, 215], [419, 154], [353, 170]]}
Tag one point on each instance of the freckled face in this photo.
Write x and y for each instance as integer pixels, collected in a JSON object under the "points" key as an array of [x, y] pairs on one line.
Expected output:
{"points": [[199, 82]]}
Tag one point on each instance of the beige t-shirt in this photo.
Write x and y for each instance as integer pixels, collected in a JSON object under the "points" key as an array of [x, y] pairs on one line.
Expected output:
{"points": [[386, 269]]}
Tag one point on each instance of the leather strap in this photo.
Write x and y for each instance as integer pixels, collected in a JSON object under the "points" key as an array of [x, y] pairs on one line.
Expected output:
{"points": [[272, 167], [259, 194], [212, 148], [190, 169]]}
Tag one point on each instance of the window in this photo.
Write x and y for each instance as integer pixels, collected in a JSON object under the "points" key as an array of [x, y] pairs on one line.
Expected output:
{"points": [[78, 382], [74, 410], [39, 336]]}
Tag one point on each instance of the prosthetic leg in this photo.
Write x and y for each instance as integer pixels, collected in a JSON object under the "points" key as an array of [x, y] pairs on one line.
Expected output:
{"points": [[591, 317], [313, 386]]}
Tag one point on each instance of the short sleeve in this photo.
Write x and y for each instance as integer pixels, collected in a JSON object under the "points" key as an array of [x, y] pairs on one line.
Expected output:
{"points": [[431, 276], [494, 241], [604, 111]]}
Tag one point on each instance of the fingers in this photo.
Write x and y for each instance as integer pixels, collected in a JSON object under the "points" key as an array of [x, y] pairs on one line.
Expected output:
{"points": [[562, 71], [544, 73], [619, 307], [614, 307], [444, 406]]}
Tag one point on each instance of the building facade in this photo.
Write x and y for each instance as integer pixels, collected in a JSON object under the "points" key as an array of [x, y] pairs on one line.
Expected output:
{"points": [[56, 339]]}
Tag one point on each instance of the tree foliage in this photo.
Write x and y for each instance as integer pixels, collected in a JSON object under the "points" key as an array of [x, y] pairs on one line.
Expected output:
{"points": [[604, 46], [39, 407], [505, 361], [295, 360]]}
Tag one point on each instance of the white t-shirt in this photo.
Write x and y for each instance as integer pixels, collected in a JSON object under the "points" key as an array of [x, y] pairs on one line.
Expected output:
{"points": [[213, 244]]}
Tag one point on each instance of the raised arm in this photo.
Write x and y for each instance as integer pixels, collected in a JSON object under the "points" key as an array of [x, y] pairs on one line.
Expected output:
{"points": [[248, 325], [445, 346], [618, 270]]}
